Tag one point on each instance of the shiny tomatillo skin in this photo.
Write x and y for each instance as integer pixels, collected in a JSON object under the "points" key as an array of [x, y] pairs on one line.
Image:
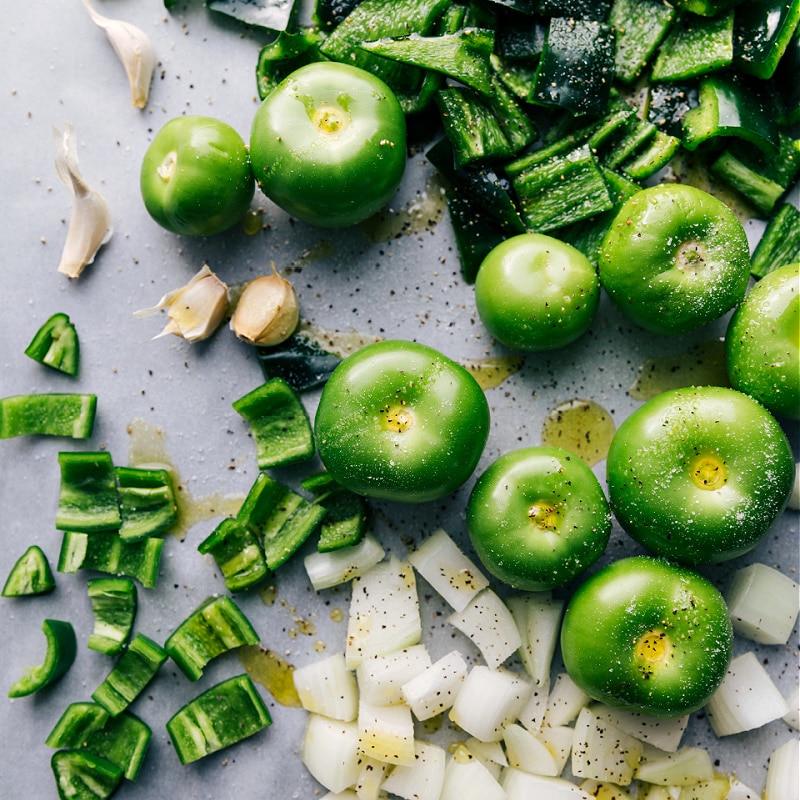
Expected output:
{"points": [[401, 421], [699, 475], [674, 258], [762, 343], [195, 177], [328, 144], [647, 635], [537, 517]]}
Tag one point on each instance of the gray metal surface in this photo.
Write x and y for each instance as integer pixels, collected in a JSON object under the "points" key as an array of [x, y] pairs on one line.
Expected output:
{"points": [[55, 67]]}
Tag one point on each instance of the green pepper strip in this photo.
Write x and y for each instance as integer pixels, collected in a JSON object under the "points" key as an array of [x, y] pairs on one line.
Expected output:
{"points": [[30, 575], [281, 519], [107, 552], [147, 502], [216, 626], [237, 553], [53, 414], [55, 345], [88, 498], [279, 423], [61, 650], [220, 717], [344, 523], [136, 667], [83, 775], [114, 604], [74, 727]]}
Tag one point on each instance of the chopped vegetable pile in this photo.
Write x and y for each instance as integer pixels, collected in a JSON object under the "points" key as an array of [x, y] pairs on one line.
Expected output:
{"points": [[346, 527]]}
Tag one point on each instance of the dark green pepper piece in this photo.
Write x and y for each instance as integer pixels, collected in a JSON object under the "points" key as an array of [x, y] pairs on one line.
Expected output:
{"points": [[731, 106], [668, 103], [237, 553], [299, 361], [51, 414], [147, 502], [280, 519], [74, 727], [220, 717], [80, 775], [345, 518], [639, 26], [30, 575], [55, 345], [329, 13], [284, 54], [762, 31], [61, 650], [279, 423], [786, 83], [577, 9], [134, 669], [216, 626], [124, 741], [114, 602], [88, 498], [695, 47], [106, 552], [780, 243]]}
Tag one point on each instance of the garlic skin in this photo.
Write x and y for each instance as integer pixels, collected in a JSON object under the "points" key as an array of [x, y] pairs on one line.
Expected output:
{"points": [[196, 310], [90, 224], [134, 49], [267, 312]]}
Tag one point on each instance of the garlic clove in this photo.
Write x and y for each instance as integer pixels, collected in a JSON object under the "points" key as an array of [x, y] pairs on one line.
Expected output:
{"points": [[195, 310], [90, 224], [135, 51], [267, 312]]}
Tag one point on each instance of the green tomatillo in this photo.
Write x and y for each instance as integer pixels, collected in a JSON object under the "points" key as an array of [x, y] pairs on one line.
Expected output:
{"points": [[399, 420], [537, 517], [328, 144], [196, 178], [674, 259], [762, 343], [699, 475], [647, 635], [534, 292]]}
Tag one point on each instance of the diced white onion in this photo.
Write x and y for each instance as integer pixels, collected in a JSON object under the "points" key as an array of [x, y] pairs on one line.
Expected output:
{"points": [[602, 790], [339, 566], [371, 778], [421, 780], [384, 612], [559, 740], [665, 734], [538, 618], [469, 780], [328, 687], [386, 733], [490, 754], [435, 689], [527, 752], [448, 570], [746, 699], [565, 701], [330, 752], [782, 772], [488, 622], [686, 766], [602, 751], [764, 604], [488, 700], [381, 678], [521, 785], [531, 715]]}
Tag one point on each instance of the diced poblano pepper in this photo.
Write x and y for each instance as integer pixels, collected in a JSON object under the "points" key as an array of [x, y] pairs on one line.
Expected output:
{"points": [[82, 775], [48, 414], [30, 575], [237, 553], [87, 498], [639, 26], [56, 345], [147, 502], [114, 602]]}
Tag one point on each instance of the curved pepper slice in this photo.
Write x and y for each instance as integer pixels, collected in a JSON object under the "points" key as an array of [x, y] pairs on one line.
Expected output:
{"points": [[30, 575], [55, 345], [80, 774], [61, 650]]}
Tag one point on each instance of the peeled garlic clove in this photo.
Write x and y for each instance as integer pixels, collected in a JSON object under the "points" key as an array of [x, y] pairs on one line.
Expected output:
{"points": [[135, 51], [90, 224], [195, 310], [267, 312]]}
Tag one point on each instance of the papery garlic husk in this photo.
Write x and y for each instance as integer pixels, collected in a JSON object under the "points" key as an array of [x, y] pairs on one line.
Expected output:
{"points": [[267, 312], [195, 310], [90, 224], [135, 51]]}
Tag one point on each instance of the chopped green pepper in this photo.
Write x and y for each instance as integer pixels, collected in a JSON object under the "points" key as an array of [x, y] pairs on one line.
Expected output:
{"points": [[780, 243], [55, 345], [147, 502], [124, 741], [114, 603], [106, 552], [31, 574], [88, 498], [74, 727], [216, 626], [48, 414], [302, 363], [762, 32], [283, 55], [237, 553], [345, 518], [640, 27], [80, 775], [279, 423], [220, 717], [61, 650], [280, 518], [136, 667]]}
